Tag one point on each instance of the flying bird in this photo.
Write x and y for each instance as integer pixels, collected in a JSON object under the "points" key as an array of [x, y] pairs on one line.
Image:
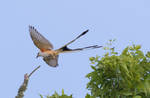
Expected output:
{"points": [[49, 55]]}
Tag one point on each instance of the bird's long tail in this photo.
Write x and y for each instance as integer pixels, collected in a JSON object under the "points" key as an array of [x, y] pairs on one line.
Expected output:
{"points": [[66, 49]]}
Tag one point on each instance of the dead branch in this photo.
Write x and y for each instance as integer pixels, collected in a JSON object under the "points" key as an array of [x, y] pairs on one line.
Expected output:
{"points": [[24, 85]]}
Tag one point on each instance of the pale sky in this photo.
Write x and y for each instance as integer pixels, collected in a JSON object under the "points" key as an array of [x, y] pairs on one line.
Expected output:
{"points": [[60, 21]]}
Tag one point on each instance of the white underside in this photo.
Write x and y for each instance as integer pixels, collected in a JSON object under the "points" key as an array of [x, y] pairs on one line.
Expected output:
{"points": [[43, 54]]}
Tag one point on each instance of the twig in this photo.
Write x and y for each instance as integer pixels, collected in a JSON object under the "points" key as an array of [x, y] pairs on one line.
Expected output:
{"points": [[24, 85], [33, 71]]}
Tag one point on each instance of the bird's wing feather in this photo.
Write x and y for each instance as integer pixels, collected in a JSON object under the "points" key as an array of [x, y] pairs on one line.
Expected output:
{"points": [[51, 61], [40, 41]]}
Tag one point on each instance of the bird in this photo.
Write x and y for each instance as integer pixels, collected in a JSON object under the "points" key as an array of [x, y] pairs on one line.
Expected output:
{"points": [[49, 55]]}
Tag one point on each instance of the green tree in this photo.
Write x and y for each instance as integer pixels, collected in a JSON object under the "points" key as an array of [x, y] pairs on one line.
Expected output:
{"points": [[124, 75]]}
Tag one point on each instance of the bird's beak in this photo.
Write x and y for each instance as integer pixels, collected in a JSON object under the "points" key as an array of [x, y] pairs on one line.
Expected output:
{"points": [[37, 56]]}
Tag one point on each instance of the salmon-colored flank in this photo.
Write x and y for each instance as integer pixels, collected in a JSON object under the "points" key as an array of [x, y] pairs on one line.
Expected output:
{"points": [[43, 50], [52, 52]]}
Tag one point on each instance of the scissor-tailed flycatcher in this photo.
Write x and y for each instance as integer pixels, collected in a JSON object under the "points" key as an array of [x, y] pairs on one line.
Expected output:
{"points": [[51, 56]]}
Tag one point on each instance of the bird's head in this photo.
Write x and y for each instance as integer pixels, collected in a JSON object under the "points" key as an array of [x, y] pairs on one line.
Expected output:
{"points": [[38, 54]]}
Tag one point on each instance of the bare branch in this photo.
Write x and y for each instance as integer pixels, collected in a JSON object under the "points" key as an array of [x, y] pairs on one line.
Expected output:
{"points": [[33, 71], [24, 85]]}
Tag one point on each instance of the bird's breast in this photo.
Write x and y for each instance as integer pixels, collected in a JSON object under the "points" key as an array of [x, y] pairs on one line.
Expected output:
{"points": [[51, 53]]}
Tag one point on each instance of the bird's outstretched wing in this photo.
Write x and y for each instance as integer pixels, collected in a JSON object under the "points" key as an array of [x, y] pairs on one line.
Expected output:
{"points": [[40, 41], [51, 61], [83, 33]]}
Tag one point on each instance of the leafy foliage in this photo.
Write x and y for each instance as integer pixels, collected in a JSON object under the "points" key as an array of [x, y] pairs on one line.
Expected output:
{"points": [[120, 76], [56, 95], [89, 96]]}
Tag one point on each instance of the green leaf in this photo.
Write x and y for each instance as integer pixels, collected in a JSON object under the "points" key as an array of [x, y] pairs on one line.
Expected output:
{"points": [[89, 96], [41, 96], [137, 97], [148, 54], [92, 59], [93, 68], [138, 47], [63, 92]]}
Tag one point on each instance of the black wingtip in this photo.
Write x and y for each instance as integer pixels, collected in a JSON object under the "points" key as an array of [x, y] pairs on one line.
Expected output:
{"points": [[31, 27]]}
